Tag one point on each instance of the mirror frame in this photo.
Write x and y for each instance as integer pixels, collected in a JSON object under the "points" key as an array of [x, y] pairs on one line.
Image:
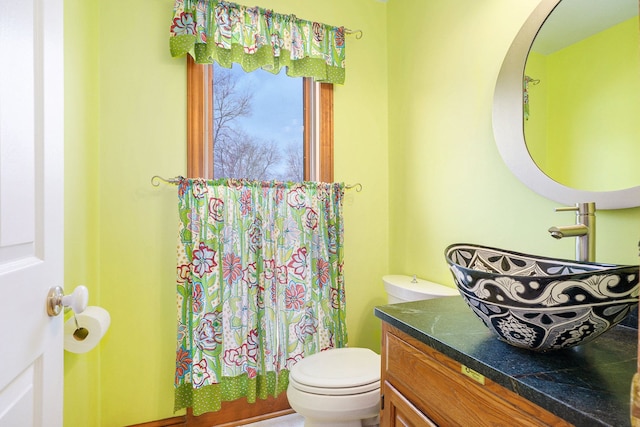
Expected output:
{"points": [[508, 127]]}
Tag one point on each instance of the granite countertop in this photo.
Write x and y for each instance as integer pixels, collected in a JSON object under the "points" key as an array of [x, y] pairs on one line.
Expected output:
{"points": [[587, 385]]}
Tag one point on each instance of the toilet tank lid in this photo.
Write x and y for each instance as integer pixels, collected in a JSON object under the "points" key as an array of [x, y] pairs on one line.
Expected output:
{"points": [[338, 367], [403, 286]]}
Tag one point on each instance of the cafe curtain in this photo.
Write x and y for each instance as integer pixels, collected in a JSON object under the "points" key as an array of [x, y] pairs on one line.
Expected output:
{"points": [[212, 30], [259, 286]]}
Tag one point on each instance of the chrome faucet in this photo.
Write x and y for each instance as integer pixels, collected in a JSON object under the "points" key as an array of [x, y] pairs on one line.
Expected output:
{"points": [[584, 230]]}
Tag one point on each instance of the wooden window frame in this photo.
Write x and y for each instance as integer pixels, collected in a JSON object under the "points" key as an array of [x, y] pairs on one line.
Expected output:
{"points": [[200, 125]]}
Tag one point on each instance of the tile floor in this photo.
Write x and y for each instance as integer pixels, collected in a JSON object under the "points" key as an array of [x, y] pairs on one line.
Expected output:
{"points": [[291, 420]]}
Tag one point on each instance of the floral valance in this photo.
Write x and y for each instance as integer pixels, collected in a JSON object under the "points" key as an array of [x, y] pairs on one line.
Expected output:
{"points": [[212, 30]]}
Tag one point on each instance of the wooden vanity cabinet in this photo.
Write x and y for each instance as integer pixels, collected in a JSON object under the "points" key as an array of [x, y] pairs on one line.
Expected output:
{"points": [[423, 387]]}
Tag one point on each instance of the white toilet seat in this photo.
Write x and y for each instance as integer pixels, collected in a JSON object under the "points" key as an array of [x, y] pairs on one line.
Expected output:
{"points": [[332, 391], [337, 372]]}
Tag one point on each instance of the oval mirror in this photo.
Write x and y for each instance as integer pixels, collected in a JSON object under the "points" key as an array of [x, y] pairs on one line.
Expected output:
{"points": [[511, 107]]}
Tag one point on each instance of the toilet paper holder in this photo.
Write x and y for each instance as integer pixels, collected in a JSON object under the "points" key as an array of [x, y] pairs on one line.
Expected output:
{"points": [[57, 300]]}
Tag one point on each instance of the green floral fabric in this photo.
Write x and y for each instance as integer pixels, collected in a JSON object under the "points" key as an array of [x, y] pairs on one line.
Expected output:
{"points": [[525, 96], [212, 30], [259, 286]]}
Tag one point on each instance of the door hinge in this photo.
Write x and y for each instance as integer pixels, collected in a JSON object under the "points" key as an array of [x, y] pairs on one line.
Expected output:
{"points": [[382, 402]]}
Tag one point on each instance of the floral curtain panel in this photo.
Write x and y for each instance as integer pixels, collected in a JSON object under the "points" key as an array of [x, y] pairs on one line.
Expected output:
{"points": [[224, 32], [259, 286], [525, 94]]}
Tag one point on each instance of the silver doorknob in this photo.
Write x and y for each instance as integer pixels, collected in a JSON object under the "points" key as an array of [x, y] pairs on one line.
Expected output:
{"points": [[57, 300]]}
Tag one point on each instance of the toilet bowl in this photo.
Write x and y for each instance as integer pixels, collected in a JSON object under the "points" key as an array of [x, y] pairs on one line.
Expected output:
{"points": [[337, 387], [341, 387]]}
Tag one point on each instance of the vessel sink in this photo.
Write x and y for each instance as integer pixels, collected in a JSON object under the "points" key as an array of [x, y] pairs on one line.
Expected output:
{"points": [[542, 303]]}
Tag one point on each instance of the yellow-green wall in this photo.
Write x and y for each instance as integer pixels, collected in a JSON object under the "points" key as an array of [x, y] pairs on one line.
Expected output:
{"points": [[413, 126], [125, 122], [586, 109], [82, 375]]}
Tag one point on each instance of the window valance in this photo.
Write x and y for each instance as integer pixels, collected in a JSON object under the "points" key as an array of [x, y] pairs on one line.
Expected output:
{"points": [[212, 30]]}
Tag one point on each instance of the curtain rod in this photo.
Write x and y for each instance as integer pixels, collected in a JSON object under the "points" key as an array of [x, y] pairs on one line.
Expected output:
{"points": [[358, 33], [155, 181], [531, 80]]}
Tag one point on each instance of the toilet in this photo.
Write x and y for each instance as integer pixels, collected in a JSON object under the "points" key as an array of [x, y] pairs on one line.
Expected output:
{"points": [[341, 387]]}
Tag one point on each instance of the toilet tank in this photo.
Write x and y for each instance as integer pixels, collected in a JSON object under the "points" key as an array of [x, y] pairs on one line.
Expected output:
{"points": [[406, 288]]}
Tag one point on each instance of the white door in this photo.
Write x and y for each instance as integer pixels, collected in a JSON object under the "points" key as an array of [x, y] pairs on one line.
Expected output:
{"points": [[31, 211]]}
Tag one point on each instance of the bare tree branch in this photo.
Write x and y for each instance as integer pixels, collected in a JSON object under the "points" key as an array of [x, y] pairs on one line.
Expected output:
{"points": [[294, 160], [228, 102], [243, 156], [236, 153]]}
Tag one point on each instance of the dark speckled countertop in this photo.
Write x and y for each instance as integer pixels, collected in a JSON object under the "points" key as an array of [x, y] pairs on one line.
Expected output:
{"points": [[588, 385]]}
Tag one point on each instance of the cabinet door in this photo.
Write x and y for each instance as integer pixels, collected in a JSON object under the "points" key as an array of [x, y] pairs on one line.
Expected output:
{"points": [[399, 412], [441, 389]]}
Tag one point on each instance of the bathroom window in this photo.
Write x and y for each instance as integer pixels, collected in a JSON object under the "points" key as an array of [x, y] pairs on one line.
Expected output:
{"points": [[230, 142]]}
